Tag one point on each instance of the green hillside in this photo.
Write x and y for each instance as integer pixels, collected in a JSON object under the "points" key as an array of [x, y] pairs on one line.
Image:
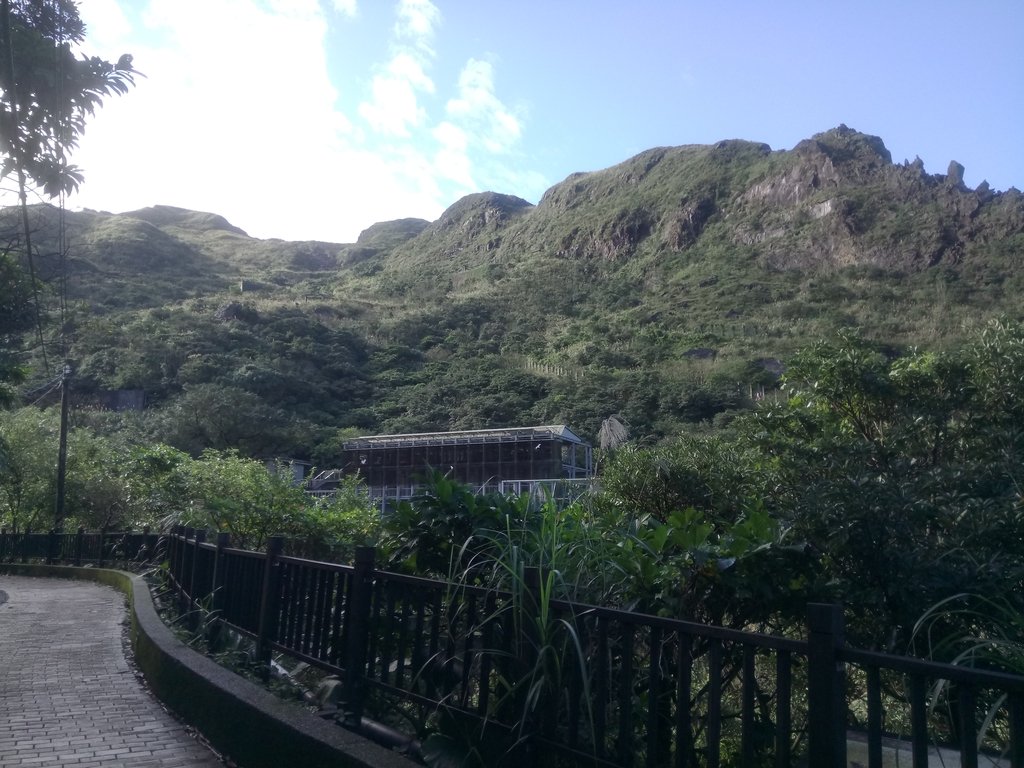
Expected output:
{"points": [[668, 290]]}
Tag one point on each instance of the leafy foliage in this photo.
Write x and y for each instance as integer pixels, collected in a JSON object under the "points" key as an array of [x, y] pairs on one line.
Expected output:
{"points": [[15, 317], [47, 93], [903, 472], [886, 482]]}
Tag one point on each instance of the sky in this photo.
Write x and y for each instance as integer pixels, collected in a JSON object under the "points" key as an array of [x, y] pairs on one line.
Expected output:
{"points": [[313, 119]]}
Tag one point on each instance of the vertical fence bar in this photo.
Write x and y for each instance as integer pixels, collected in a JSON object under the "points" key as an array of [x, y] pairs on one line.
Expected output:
{"points": [[655, 756], [783, 708], [1016, 730], [103, 538], [51, 546], [684, 718], [601, 696], [193, 573], [713, 732], [218, 589], [357, 622], [918, 722], [79, 541], [269, 604], [874, 718], [968, 727], [624, 686], [185, 570], [826, 696], [188, 557], [747, 709], [486, 660], [174, 555], [528, 648], [336, 636], [219, 574]]}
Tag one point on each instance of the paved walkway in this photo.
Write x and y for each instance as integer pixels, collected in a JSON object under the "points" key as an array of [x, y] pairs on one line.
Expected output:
{"points": [[68, 696]]}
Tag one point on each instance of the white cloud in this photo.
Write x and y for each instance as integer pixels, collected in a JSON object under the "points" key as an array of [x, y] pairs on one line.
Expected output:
{"points": [[106, 25], [452, 158], [394, 108], [417, 20], [490, 122], [238, 115], [346, 7]]}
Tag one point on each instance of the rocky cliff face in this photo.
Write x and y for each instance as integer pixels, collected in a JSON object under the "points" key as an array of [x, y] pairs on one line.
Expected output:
{"points": [[834, 200]]}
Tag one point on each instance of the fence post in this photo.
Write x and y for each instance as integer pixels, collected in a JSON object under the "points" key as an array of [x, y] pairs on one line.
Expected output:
{"points": [[529, 639], [269, 605], [217, 591], [528, 648], [174, 554], [103, 536], [184, 593], [79, 540], [3, 543], [826, 687], [357, 625], [147, 546], [51, 546], [223, 542], [195, 600]]}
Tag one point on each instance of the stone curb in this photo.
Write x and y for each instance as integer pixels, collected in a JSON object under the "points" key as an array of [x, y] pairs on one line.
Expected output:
{"points": [[239, 718]]}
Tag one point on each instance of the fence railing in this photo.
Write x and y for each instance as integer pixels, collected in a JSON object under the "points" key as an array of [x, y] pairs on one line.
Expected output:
{"points": [[81, 547], [524, 674], [531, 675]]}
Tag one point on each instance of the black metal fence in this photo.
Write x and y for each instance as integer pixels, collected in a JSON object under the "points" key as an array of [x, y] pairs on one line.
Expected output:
{"points": [[534, 676], [554, 682], [82, 548]]}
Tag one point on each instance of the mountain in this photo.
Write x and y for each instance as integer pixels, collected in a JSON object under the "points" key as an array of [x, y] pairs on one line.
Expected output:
{"points": [[668, 289]]}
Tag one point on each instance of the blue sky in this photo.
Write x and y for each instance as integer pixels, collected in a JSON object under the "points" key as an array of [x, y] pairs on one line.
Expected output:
{"points": [[312, 119]]}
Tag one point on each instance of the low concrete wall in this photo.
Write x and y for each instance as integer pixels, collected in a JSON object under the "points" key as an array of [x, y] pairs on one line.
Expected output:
{"points": [[239, 718]]}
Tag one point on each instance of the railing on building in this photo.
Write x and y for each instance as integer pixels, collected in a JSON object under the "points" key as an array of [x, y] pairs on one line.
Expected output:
{"points": [[598, 686], [562, 490]]}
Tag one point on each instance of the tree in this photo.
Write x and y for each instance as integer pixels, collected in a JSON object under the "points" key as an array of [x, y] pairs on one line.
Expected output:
{"points": [[15, 317], [26, 468], [46, 95], [48, 92], [903, 471]]}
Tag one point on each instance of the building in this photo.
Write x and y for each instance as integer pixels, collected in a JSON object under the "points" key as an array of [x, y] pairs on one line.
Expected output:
{"points": [[515, 460]]}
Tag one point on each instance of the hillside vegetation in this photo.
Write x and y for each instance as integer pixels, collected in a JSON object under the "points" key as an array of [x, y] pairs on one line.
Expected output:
{"points": [[670, 290]]}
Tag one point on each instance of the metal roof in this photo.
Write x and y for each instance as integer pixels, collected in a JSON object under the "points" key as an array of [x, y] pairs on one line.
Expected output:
{"points": [[510, 434]]}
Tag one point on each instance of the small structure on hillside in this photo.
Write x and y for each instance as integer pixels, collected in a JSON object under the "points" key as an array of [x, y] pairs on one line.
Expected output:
{"points": [[514, 460]]}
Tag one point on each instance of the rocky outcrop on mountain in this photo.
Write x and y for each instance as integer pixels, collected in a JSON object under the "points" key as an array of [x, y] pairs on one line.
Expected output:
{"points": [[476, 221], [834, 201], [388, 234], [470, 233], [171, 216], [839, 200]]}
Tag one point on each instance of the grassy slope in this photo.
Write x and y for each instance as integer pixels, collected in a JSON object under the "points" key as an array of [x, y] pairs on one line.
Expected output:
{"points": [[654, 289]]}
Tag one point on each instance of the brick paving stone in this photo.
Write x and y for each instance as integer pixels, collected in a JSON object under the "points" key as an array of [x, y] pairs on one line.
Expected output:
{"points": [[68, 696]]}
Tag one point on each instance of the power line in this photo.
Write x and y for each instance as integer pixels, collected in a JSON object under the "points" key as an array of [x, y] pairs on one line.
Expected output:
{"points": [[50, 387]]}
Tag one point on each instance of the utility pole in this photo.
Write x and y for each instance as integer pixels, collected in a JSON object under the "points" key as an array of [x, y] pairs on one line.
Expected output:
{"points": [[62, 451]]}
